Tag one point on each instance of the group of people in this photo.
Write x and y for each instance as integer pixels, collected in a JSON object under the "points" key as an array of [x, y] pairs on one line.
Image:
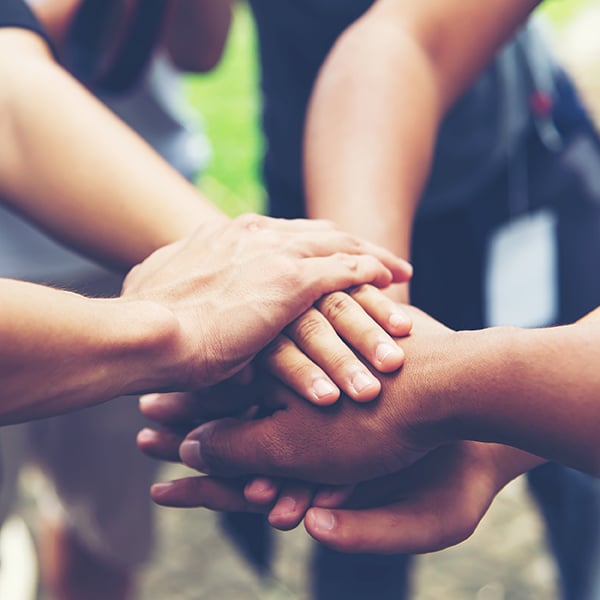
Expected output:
{"points": [[489, 192]]}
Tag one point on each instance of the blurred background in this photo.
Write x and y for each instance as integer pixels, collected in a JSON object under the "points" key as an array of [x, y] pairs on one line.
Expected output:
{"points": [[506, 559]]}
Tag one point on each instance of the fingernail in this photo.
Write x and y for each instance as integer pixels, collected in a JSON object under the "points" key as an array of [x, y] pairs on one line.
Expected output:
{"points": [[191, 455], [322, 388], [148, 399], [398, 320], [260, 484], [145, 435], [385, 350], [323, 519], [158, 489], [361, 381], [284, 506]]}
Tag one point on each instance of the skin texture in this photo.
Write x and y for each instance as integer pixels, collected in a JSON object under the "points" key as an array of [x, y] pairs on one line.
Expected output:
{"points": [[127, 344], [487, 386]]}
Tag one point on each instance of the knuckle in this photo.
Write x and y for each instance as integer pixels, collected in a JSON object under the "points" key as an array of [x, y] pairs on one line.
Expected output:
{"points": [[278, 348], [307, 327], [336, 305], [365, 292], [250, 221]]}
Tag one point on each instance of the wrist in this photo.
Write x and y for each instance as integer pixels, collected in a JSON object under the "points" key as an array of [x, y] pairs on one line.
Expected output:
{"points": [[477, 365], [143, 344]]}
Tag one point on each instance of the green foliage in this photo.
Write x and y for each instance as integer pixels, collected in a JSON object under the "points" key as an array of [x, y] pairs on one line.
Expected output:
{"points": [[560, 11], [228, 100]]}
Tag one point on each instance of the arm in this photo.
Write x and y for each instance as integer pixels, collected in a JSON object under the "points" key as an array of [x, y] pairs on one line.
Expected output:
{"points": [[192, 314], [123, 201], [538, 390], [196, 33], [379, 101]]}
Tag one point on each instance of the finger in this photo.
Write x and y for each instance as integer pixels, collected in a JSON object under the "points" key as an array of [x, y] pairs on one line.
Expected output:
{"points": [[325, 274], [384, 310], [332, 496], [291, 506], [228, 448], [290, 365], [206, 492], [171, 408], [398, 528], [162, 445], [262, 491], [326, 240], [178, 408], [361, 331], [317, 338]]}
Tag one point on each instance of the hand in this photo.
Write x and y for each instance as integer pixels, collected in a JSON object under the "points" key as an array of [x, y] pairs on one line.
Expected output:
{"points": [[436, 503], [345, 443], [231, 288], [312, 357]]}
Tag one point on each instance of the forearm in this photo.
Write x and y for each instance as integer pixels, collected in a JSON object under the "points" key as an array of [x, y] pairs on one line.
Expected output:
{"points": [[538, 390], [196, 33], [61, 351], [357, 173], [74, 168], [379, 101]]}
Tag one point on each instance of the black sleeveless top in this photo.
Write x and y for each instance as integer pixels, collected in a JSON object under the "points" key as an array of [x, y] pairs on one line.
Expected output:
{"points": [[15, 13]]}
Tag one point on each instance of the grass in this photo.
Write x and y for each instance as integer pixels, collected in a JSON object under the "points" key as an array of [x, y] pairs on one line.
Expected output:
{"points": [[228, 99]]}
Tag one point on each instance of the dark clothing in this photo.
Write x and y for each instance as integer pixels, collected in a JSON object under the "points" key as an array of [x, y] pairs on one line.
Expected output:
{"points": [[485, 126], [15, 13], [90, 40]]}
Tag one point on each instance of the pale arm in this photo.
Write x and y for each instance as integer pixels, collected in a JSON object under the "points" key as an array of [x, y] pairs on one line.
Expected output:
{"points": [[379, 101], [84, 160]]}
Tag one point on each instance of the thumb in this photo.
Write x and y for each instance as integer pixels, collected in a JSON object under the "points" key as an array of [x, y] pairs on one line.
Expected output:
{"points": [[229, 448]]}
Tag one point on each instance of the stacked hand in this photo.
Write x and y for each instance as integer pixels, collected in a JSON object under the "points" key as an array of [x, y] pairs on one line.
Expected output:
{"points": [[376, 477], [230, 290]]}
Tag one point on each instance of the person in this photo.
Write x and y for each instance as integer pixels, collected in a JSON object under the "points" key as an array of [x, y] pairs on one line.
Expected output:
{"points": [[479, 182], [97, 535], [85, 350]]}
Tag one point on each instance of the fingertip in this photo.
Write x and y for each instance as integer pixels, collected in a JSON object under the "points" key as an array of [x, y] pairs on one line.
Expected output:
{"points": [[405, 271], [323, 392], [286, 514], [388, 357], [261, 490], [159, 492], [364, 387], [145, 436], [400, 324], [147, 401], [332, 497], [320, 523], [190, 454]]}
